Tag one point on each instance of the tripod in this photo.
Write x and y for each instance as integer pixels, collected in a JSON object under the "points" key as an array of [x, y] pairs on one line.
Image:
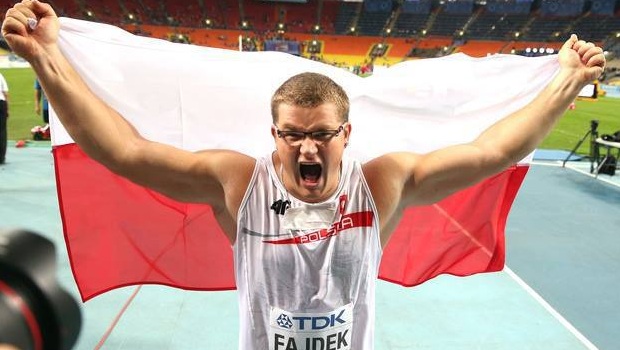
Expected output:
{"points": [[594, 152]]}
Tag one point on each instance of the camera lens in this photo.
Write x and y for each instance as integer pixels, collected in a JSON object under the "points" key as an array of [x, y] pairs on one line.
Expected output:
{"points": [[35, 312]]}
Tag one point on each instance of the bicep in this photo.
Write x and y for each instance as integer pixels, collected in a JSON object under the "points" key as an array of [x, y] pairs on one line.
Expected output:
{"points": [[387, 176], [399, 180], [438, 174], [212, 177]]}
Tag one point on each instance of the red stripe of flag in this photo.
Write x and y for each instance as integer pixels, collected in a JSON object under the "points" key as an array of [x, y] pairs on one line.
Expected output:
{"points": [[119, 234]]}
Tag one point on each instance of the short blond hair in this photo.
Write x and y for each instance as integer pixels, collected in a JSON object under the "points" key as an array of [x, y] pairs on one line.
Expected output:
{"points": [[309, 90]]}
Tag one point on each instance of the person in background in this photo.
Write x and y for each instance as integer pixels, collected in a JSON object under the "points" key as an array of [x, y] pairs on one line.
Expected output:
{"points": [[4, 116], [41, 106]]}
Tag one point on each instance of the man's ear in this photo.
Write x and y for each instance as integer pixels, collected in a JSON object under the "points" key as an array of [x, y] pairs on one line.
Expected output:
{"points": [[347, 134], [274, 133]]}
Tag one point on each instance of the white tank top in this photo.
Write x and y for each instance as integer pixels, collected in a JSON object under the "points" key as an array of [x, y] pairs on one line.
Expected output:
{"points": [[301, 286]]}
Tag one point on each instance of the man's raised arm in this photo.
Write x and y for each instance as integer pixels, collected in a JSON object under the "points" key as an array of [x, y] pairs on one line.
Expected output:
{"points": [[31, 29], [422, 179]]}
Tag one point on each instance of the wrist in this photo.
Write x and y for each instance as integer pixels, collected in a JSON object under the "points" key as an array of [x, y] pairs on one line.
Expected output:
{"points": [[567, 84], [44, 58]]}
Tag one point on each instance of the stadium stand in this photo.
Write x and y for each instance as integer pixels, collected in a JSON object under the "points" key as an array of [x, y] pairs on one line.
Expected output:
{"points": [[372, 21], [359, 32], [299, 18], [597, 27], [182, 13], [227, 13], [548, 28], [103, 11], [328, 15], [410, 24], [495, 26], [346, 17], [260, 18], [63, 7], [448, 24]]}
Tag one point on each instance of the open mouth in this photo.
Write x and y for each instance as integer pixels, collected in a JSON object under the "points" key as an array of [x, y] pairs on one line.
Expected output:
{"points": [[310, 172]]}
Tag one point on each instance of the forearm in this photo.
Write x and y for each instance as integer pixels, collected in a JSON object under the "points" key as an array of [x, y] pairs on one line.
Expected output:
{"points": [[514, 137], [99, 130], [442, 172]]}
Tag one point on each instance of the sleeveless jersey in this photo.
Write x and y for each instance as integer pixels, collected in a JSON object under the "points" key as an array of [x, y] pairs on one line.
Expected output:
{"points": [[304, 285]]}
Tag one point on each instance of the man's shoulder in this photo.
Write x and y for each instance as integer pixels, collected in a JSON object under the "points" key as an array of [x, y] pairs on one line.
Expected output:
{"points": [[395, 166], [225, 161]]}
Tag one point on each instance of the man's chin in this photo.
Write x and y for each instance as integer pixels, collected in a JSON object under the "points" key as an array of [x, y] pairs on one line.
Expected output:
{"points": [[311, 190]]}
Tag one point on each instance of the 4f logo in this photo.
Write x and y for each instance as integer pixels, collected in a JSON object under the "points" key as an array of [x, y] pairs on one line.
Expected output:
{"points": [[280, 206]]}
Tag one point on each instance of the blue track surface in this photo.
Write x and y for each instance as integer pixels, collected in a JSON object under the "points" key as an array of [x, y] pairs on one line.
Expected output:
{"points": [[562, 240]]}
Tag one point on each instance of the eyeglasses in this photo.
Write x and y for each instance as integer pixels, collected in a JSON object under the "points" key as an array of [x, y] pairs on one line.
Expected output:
{"points": [[295, 138]]}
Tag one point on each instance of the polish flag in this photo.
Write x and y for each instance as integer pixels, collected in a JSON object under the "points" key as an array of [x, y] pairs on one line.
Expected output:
{"points": [[118, 233]]}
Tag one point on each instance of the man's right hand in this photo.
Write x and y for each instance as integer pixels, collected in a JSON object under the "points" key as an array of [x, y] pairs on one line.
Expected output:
{"points": [[29, 43]]}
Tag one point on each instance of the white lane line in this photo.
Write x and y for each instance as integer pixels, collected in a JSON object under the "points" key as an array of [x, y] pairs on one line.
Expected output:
{"points": [[568, 166], [564, 322], [117, 318]]}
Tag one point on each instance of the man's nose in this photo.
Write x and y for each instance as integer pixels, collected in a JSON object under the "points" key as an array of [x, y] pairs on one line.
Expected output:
{"points": [[308, 145]]}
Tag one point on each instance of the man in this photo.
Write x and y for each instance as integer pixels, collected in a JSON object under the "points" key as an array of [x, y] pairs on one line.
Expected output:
{"points": [[296, 295], [41, 105], [4, 116]]}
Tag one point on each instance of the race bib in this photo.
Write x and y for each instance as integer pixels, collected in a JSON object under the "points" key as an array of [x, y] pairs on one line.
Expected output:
{"points": [[311, 331]]}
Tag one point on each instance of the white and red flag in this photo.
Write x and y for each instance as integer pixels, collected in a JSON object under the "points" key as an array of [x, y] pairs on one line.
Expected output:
{"points": [[118, 233]]}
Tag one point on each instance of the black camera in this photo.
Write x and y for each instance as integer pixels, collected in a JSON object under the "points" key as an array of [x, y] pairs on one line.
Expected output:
{"points": [[593, 125], [35, 312]]}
